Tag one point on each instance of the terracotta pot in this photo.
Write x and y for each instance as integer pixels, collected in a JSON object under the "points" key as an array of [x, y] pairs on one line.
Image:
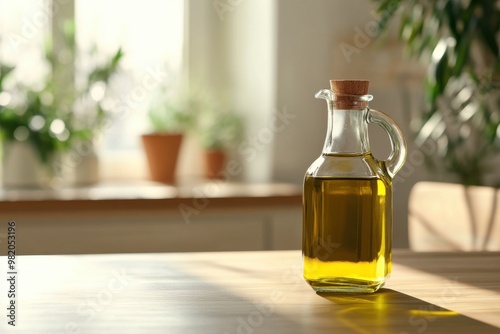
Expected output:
{"points": [[214, 163], [162, 152]]}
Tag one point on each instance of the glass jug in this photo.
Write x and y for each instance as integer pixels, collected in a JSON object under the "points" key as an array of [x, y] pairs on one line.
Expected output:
{"points": [[347, 199]]}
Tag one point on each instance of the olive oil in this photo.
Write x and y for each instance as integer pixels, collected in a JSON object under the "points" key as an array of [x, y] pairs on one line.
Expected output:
{"points": [[347, 233], [347, 200]]}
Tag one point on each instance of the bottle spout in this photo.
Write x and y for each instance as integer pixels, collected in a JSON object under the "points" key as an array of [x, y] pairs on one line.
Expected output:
{"points": [[325, 94]]}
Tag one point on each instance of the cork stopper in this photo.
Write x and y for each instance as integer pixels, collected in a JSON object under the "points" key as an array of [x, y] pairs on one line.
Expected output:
{"points": [[347, 93]]}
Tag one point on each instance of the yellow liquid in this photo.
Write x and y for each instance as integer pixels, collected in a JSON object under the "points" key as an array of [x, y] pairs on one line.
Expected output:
{"points": [[347, 234]]}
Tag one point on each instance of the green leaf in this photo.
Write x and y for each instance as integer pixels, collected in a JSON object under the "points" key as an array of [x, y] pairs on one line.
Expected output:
{"points": [[441, 73], [117, 57], [69, 30], [488, 25], [451, 11], [4, 73], [386, 11]]}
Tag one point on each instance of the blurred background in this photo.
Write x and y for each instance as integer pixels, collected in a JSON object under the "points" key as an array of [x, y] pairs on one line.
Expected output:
{"points": [[83, 82]]}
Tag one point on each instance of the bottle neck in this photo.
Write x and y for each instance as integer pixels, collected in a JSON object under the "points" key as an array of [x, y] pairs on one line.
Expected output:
{"points": [[347, 132]]}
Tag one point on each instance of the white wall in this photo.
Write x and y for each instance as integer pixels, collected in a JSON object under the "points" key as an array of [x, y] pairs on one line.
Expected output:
{"points": [[251, 39], [231, 55]]}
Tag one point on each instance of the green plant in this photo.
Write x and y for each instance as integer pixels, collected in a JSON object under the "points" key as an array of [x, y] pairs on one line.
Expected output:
{"points": [[32, 116], [172, 114], [35, 120], [92, 95], [5, 71], [458, 42], [45, 118], [215, 126], [218, 128]]}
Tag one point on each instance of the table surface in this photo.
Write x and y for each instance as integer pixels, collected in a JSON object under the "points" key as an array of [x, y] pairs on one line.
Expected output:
{"points": [[247, 292]]}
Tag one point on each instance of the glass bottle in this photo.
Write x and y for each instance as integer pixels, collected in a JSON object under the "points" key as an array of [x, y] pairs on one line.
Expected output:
{"points": [[347, 199]]}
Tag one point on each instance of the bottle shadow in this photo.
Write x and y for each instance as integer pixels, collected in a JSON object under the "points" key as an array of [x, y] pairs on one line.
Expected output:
{"points": [[390, 311]]}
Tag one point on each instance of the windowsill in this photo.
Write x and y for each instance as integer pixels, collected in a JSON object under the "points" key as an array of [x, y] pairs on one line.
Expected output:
{"points": [[144, 195]]}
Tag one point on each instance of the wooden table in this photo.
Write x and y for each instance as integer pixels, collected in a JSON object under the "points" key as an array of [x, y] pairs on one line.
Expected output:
{"points": [[247, 292]]}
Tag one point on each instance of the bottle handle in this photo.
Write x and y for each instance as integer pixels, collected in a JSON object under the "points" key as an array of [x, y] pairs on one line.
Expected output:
{"points": [[397, 157]]}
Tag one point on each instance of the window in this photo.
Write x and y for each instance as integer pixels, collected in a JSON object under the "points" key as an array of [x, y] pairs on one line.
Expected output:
{"points": [[150, 34], [23, 25]]}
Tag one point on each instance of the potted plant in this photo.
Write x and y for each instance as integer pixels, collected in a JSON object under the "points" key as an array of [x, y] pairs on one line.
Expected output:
{"points": [[82, 95], [43, 139], [169, 117], [88, 117], [458, 41], [48, 133], [218, 131], [33, 133]]}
